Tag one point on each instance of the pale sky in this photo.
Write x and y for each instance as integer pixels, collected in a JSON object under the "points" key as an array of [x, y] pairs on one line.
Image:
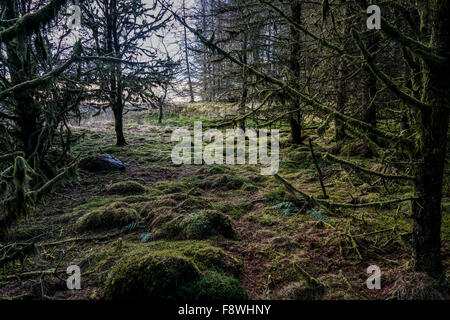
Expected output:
{"points": [[173, 39]]}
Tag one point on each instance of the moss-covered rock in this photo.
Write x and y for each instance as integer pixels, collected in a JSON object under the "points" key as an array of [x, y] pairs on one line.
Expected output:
{"points": [[217, 286], [150, 209], [168, 270], [166, 225], [203, 254], [151, 275], [207, 223], [115, 215], [196, 227], [126, 188]]}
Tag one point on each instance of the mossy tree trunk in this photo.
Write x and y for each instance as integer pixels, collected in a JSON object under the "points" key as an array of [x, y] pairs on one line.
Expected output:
{"points": [[244, 89], [20, 68], [341, 98], [294, 66], [369, 112], [432, 146], [341, 88]]}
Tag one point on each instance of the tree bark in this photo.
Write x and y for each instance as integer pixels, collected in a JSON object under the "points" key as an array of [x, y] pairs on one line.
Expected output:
{"points": [[426, 211], [244, 89], [113, 48], [369, 113], [295, 56], [19, 66], [186, 52]]}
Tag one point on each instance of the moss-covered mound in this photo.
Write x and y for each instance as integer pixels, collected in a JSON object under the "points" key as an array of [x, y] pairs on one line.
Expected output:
{"points": [[204, 255], [126, 188], [177, 203], [151, 275], [115, 215], [168, 270], [221, 182], [194, 226], [217, 286]]}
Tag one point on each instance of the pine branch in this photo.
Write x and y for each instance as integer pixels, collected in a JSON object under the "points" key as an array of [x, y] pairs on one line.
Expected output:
{"points": [[365, 170], [39, 81], [385, 79], [11, 156]]}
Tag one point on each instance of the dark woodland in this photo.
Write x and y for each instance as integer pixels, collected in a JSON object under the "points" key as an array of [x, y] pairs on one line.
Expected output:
{"points": [[93, 91]]}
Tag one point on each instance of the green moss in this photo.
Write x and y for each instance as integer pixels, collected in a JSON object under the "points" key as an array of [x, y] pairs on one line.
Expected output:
{"points": [[214, 169], [135, 199], [278, 195], [26, 232], [115, 215], [249, 187], [207, 223], [221, 182], [269, 220], [151, 208], [216, 286], [235, 210], [196, 227], [168, 187], [111, 149], [254, 178], [166, 270], [354, 148], [150, 275], [126, 188], [205, 256]]}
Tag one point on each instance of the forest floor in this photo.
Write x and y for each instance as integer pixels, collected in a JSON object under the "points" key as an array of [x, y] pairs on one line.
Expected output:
{"points": [[277, 239]]}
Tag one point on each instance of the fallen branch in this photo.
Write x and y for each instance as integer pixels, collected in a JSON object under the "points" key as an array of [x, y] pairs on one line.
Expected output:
{"points": [[101, 238], [311, 281], [332, 205], [319, 172], [365, 170]]}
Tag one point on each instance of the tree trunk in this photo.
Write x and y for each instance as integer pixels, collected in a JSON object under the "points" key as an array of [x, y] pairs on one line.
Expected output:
{"points": [[295, 55], [113, 47], [426, 211], [369, 113], [19, 66], [341, 98], [160, 116], [244, 90], [188, 67], [118, 123], [341, 87]]}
